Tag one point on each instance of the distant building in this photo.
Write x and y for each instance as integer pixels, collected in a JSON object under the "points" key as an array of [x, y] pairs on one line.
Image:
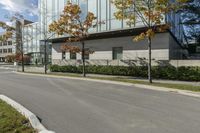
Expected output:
{"points": [[18, 37], [31, 42], [6, 48]]}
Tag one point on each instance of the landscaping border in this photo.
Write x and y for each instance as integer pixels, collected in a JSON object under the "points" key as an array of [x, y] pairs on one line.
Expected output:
{"points": [[158, 72], [28, 114]]}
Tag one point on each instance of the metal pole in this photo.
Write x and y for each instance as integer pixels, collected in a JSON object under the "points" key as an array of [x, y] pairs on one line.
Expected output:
{"points": [[45, 56], [83, 58], [149, 63]]}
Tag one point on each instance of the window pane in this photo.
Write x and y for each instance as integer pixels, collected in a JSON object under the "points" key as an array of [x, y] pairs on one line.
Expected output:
{"points": [[103, 17], [115, 24], [84, 10], [73, 56], [63, 55], [9, 43], [5, 43], [92, 7], [117, 53]]}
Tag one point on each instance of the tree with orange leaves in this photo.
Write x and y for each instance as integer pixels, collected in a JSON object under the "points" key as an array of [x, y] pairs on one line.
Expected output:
{"points": [[72, 24], [15, 34], [151, 13], [8, 31]]}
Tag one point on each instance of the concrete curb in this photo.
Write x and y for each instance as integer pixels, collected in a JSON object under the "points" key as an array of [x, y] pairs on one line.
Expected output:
{"points": [[28, 114], [156, 88], [77, 78]]}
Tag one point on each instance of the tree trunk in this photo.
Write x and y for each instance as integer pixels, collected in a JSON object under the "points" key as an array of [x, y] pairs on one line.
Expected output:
{"points": [[22, 61], [83, 58], [21, 46], [149, 63], [22, 54]]}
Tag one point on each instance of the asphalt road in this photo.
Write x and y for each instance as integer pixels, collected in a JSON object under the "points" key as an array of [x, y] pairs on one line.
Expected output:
{"points": [[75, 106]]}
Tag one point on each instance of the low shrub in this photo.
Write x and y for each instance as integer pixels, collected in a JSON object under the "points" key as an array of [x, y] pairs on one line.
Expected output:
{"points": [[158, 72]]}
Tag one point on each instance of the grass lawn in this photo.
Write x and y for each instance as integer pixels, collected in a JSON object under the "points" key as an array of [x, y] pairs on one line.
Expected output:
{"points": [[168, 85], [12, 121]]}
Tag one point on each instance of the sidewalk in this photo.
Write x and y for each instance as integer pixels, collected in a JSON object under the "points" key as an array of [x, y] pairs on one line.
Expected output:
{"points": [[135, 78], [41, 70]]}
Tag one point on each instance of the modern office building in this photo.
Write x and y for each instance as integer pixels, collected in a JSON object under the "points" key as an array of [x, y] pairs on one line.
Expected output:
{"points": [[32, 45], [112, 39]]}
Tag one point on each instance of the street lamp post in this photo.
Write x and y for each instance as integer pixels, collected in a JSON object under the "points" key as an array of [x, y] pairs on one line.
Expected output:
{"points": [[45, 56]]}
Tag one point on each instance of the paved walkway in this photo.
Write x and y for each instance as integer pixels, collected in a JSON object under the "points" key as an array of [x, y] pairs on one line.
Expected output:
{"points": [[140, 79], [41, 69]]}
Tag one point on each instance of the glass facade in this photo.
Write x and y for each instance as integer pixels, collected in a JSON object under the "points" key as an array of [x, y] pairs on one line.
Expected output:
{"points": [[31, 38], [31, 43], [177, 29], [50, 10], [104, 10]]}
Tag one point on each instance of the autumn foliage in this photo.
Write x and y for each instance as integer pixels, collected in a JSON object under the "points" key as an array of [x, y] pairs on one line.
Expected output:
{"points": [[76, 27], [150, 13], [26, 58], [71, 24], [10, 58], [8, 31], [18, 58]]}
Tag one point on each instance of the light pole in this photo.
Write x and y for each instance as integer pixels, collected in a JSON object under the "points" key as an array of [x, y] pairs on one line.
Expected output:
{"points": [[45, 56], [46, 59]]}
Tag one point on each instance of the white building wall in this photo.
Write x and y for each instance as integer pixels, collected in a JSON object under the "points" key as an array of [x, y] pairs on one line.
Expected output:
{"points": [[56, 55], [131, 50], [101, 55], [162, 54]]}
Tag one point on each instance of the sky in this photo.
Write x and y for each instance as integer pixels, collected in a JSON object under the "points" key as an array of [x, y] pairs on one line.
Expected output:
{"points": [[27, 8]]}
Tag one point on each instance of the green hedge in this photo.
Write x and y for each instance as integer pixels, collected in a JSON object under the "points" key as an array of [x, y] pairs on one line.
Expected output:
{"points": [[158, 72]]}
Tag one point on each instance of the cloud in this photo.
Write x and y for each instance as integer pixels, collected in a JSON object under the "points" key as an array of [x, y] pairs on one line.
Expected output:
{"points": [[9, 23], [19, 6]]}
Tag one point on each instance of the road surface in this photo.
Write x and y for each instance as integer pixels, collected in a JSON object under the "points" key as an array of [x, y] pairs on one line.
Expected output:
{"points": [[76, 106]]}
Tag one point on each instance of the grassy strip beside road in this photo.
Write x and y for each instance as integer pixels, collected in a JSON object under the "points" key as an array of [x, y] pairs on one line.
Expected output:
{"points": [[120, 79], [12, 121]]}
